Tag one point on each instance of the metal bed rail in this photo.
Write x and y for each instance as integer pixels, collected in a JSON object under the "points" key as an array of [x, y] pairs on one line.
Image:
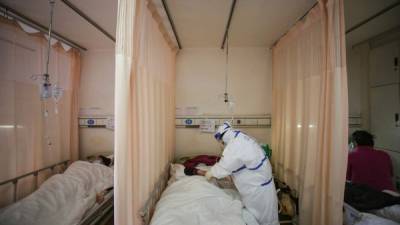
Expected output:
{"points": [[147, 210], [103, 214], [35, 173]]}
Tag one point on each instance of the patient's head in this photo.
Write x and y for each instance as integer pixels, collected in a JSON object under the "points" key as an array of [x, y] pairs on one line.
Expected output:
{"points": [[362, 138]]}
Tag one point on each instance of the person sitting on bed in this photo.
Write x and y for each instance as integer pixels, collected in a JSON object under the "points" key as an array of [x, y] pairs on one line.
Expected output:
{"points": [[367, 165], [244, 159]]}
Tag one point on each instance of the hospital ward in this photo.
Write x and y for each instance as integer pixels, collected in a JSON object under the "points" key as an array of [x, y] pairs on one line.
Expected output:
{"points": [[199, 112]]}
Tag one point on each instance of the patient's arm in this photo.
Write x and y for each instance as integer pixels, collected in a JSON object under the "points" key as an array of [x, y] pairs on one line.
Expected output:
{"points": [[218, 171], [201, 172]]}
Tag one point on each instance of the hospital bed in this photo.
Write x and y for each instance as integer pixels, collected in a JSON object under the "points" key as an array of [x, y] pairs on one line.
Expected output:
{"points": [[80, 193], [362, 208], [384, 216], [184, 200]]}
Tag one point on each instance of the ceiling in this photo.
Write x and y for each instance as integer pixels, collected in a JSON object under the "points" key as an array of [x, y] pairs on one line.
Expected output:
{"points": [[262, 22], [70, 24], [358, 10], [201, 23]]}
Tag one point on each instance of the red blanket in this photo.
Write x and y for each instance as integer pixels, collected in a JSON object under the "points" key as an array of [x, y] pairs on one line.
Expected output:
{"points": [[190, 164]]}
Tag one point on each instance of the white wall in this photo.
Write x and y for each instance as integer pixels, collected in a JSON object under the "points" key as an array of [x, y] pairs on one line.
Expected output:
{"points": [[97, 98], [354, 81], [373, 92], [358, 84], [200, 82]]}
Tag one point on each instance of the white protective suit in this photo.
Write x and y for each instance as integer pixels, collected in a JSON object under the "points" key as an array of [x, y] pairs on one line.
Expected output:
{"points": [[244, 159]]}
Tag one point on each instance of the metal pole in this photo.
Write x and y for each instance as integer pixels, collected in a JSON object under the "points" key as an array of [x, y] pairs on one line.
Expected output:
{"points": [[226, 97], [51, 3], [36, 182], [15, 190]]}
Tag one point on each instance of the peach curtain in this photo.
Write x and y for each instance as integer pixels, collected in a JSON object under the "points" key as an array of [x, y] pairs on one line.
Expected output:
{"points": [[75, 81], [29, 140], [144, 107], [310, 112]]}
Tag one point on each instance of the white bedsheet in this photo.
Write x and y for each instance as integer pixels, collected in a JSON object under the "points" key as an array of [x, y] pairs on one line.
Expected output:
{"points": [[370, 219], [194, 201], [389, 212], [354, 217], [62, 199], [247, 217]]}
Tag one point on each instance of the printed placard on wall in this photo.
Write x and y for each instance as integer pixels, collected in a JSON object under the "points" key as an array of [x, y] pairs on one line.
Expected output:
{"points": [[207, 126]]}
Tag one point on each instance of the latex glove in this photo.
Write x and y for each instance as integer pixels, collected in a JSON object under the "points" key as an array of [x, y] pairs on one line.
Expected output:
{"points": [[209, 175]]}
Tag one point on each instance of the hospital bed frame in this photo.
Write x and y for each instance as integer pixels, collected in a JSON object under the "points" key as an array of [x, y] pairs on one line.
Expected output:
{"points": [[146, 212], [62, 165], [100, 216]]}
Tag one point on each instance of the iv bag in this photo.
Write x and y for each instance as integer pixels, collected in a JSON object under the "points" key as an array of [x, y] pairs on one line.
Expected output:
{"points": [[57, 93], [231, 106], [45, 91]]}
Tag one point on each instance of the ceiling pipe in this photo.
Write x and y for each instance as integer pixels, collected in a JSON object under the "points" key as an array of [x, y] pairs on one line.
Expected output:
{"points": [[20, 17], [166, 9], [228, 24], [88, 19]]}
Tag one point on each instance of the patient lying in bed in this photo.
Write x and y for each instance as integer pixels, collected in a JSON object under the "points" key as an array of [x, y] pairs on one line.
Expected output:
{"points": [[193, 200], [63, 199]]}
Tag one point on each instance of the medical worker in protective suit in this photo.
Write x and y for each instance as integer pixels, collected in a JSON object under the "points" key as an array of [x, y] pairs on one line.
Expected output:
{"points": [[245, 160]]}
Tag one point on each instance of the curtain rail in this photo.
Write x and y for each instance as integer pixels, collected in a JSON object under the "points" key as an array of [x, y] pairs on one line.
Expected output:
{"points": [[172, 23], [299, 19], [7, 11], [88, 19]]}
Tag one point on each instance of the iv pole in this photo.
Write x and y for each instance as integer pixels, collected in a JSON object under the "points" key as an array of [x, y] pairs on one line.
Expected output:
{"points": [[46, 88]]}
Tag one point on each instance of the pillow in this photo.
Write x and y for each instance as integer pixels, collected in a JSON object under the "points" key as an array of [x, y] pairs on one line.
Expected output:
{"points": [[176, 172], [105, 159]]}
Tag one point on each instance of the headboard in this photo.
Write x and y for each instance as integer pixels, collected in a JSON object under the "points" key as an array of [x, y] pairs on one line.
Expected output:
{"points": [[147, 210]]}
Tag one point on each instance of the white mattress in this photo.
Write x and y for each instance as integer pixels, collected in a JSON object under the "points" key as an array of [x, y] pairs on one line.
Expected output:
{"points": [[370, 219], [376, 217], [389, 212], [63, 199], [194, 201]]}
